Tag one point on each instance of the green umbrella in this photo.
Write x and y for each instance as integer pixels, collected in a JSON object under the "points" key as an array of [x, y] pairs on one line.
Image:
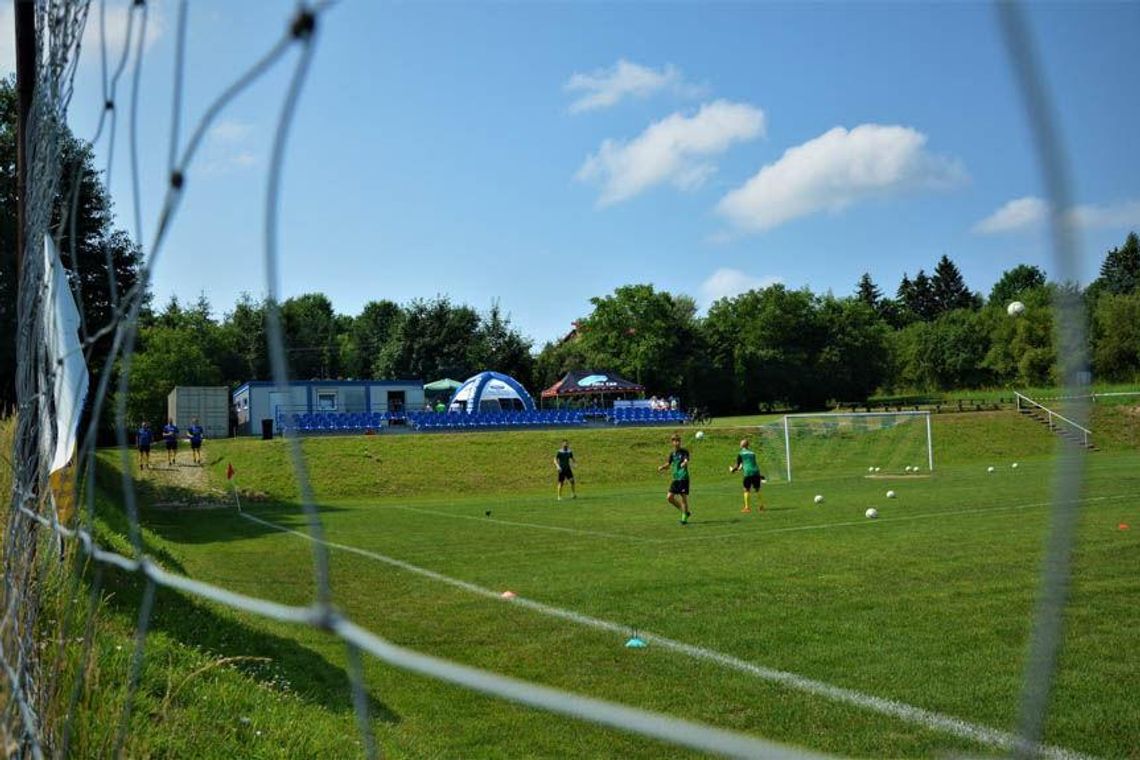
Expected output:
{"points": [[439, 386]]}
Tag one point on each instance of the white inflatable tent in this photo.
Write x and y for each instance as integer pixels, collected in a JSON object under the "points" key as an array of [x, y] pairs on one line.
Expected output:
{"points": [[490, 392]]}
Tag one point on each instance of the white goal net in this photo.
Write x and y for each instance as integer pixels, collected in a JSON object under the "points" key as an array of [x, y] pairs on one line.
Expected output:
{"points": [[872, 441]]}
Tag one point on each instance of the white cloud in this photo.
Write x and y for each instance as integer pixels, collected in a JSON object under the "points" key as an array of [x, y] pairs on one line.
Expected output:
{"points": [[603, 88], [726, 283], [115, 21], [1017, 215], [675, 149], [227, 148], [230, 131], [1113, 215], [7, 39], [1030, 214], [835, 170], [244, 158]]}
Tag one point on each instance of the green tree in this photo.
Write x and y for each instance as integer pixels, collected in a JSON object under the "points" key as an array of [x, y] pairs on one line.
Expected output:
{"points": [[644, 334], [180, 347], [1015, 283], [943, 354], [854, 359], [948, 288], [366, 337], [916, 297], [888, 310], [1116, 329], [501, 348], [432, 340], [1120, 271], [1022, 349], [244, 335], [88, 241], [868, 292], [310, 331], [768, 342], [557, 358]]}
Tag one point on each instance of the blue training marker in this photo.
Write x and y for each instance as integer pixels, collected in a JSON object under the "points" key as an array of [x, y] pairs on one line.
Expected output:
{"points": [[636, 643]]}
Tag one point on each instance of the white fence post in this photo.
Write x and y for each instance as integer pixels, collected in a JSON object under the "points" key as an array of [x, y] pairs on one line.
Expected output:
{"points": [[787, 448]]}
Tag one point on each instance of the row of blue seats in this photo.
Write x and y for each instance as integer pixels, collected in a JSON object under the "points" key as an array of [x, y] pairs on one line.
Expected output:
{"points": [[334, 421], [352, 421], [638, 416], [458, 421]]}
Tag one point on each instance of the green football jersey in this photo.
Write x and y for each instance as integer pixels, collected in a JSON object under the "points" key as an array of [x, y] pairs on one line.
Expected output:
{"points": [[679, 461], [747, 461]]}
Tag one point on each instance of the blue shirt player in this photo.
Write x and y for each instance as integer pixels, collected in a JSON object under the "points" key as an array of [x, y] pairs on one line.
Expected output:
{"points": [[170, 436], [195, 433], [143, 439]]}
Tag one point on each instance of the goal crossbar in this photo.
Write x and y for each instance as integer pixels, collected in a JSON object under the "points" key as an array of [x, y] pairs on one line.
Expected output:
{"points": [[845, 415]]}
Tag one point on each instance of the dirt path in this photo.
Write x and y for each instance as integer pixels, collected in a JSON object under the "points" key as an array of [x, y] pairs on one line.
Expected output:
{"points": [[180, 486]]}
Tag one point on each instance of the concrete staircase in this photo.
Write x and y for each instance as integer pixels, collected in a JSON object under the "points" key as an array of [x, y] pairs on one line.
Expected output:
{"points": [[1062, 427]]}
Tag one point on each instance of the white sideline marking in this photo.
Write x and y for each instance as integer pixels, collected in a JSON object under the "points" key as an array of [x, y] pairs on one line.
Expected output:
{"points": [[516, 523], [908, 713], [900, 518]]}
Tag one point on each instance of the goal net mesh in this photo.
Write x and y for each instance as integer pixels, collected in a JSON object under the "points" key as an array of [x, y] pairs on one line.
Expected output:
{"points": [[830, 444], [57, 554]]}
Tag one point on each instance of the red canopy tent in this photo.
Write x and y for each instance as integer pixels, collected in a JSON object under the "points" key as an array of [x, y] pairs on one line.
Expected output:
{"points": [[583, 383]]}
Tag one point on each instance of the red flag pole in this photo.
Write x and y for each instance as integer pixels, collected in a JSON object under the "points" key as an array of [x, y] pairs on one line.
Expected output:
{"points": [[230, 472]]}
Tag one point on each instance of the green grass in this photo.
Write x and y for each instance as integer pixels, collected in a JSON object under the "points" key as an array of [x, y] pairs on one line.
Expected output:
{"points": [[7, 433], [991, 395], [929, 605]]}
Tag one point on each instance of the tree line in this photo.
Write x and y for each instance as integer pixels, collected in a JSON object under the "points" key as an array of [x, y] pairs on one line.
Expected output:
{"points": [[778, 347], [773, 347], [422, 339]]}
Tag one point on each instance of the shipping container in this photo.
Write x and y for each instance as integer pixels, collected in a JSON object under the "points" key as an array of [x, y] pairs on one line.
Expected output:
{"points": [[210, 404]]}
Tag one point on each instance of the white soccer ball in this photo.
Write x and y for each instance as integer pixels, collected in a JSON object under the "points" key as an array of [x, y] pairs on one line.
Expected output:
{"points": [[1014, 465], [870, 469], [872, 513], [890, 494], [700, 434], [818, 498], [878, 468], [907, 468], [990, 468], [1015, 309]]}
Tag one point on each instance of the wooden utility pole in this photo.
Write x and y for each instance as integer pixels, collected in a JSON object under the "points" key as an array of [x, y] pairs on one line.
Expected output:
{"points": [[25, 18]]}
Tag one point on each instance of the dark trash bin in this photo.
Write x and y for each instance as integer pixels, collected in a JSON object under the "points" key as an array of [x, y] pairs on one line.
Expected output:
{"points": [[267, 430]]}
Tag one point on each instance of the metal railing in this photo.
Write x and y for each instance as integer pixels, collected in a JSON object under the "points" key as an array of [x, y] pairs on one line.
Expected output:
{"points": [[1052, 416]]}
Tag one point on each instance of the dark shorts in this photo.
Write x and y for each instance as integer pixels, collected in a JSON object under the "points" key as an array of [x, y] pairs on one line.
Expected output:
{"points": [[196, 444], [752, 481], [680, 487], [172, 445], [564, 475], [144, 448]]}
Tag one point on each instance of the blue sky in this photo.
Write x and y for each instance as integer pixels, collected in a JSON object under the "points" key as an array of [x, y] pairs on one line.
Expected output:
{"points": [[540, 154]]}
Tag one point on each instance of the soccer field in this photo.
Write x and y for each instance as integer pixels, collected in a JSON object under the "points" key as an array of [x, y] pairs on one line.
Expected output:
{"points": [[808, 624]]}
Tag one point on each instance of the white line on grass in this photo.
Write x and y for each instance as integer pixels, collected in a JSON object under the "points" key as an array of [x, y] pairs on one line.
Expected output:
{"points": [[934, 721], [900, 518], [519, 524]]}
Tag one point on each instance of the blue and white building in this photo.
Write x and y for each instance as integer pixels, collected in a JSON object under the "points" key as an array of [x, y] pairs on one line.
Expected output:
{"points": [[260, 400]]}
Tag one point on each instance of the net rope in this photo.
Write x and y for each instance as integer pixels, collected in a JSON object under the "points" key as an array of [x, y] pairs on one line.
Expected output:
{"points": [[35, 537]]}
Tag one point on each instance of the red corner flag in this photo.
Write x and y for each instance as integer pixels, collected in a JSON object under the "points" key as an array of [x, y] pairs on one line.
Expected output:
{"points": [[230, 472]]}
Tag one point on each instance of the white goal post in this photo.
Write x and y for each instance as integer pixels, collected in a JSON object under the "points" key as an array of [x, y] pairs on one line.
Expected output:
{"points": [[833, 416]]}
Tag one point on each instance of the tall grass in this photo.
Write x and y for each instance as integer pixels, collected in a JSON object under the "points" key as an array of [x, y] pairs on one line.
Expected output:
{"points": [[7, 438]]}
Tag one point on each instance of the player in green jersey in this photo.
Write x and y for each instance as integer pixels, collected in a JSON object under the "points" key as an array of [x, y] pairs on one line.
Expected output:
{"points": [[563, 458], [746, 460], [678, 494]]}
